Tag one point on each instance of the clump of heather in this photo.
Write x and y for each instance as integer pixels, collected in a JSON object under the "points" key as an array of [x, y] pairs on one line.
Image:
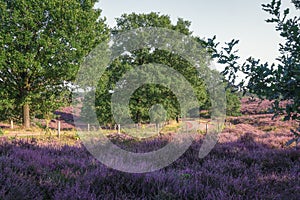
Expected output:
{"points": [[243, 165], [258, 106]]}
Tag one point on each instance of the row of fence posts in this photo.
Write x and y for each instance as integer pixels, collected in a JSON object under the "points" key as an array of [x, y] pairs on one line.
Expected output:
{"points": [[88, 128], [58, 127], [118, 127]]}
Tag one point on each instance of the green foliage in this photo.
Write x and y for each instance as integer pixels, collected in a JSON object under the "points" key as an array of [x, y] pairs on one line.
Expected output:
{"points": [[7, 108], [233, 106], [87, 108], [49, 103], [280, 83], [296, 139], [151, 94], [274, 82], [42, 44], [296, 3]]}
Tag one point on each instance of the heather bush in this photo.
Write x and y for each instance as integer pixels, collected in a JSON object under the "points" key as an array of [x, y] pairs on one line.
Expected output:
{"points": [[241, 166]]}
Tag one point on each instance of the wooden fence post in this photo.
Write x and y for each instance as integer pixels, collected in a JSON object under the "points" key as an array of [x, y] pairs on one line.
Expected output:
{"points": [[119, 128], [186, 127], [11, 124], [58, 128]]}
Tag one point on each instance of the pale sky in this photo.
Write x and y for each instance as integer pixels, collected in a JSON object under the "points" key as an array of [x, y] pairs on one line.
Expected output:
{"points": [[227, 19]]}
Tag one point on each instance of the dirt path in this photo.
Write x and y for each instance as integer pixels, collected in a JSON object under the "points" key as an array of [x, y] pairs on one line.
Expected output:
{"points": [[22, 134]]}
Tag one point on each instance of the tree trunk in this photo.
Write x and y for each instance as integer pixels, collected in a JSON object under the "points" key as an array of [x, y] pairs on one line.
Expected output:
{"points": [[177, 119], [138, 113], [137, 117], [26, 115]]}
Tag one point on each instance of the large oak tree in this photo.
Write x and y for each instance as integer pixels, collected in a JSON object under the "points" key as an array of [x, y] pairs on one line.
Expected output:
{"points": [[151, 94], [42, 43]]}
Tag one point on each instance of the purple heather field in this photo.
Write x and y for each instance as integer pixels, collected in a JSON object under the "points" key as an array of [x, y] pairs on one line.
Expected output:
{"points": [[250, 161]]}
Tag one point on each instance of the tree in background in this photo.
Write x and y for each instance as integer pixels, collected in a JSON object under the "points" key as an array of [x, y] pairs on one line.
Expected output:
{"points": [[49, 103], [42, 44], [233, 103], [148, 95]]}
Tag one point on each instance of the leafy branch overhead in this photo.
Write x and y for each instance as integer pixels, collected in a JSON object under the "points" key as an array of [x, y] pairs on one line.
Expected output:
{"points": [[279, 82]]}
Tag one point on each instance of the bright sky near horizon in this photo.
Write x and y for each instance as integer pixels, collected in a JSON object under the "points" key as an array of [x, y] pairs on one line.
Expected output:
{"points": [[230, 19]]}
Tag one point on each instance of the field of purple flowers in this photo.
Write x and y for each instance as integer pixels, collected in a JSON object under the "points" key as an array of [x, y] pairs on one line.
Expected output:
{"points": [[250, 161], [243, 165]]}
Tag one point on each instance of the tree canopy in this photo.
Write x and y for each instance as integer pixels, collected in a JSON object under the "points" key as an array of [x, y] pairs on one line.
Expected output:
{"points": [[147, 96], [151, 94], [42, 44]]}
